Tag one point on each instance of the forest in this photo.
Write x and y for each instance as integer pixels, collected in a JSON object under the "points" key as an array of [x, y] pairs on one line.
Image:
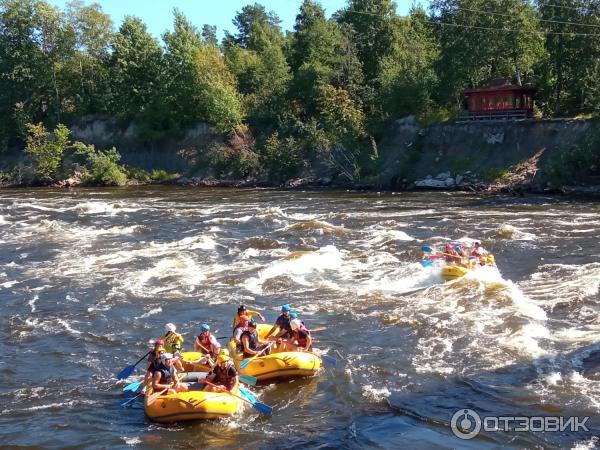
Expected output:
{"points": [[282, 100]]}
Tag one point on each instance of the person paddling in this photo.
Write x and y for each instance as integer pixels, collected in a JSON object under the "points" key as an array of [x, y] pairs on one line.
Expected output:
{"points": [[165, 377], [172, 339], [153, 361], [301, 340], [223, 374], [283, 323], [300, 334], [243, 311], [251, 342], [480, 253], [451, 255], [239, 329], [207, 344]]}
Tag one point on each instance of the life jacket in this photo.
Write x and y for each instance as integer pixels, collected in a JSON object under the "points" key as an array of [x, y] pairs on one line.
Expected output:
{"points": [[172, 342], [301, 335], [167, 373], [252, 340], [206, 342], [226, 376]]}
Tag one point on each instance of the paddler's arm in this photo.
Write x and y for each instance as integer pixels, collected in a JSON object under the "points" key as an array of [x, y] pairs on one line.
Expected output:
{"points": [[255, 313], [272, 330]]}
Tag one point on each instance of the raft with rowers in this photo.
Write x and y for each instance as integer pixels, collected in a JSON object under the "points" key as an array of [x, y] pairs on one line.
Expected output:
{"points": [[458, 259], [205, 384]]}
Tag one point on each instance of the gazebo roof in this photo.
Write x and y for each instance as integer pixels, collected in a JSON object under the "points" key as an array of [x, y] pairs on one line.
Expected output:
{"points": [[501, 85]]}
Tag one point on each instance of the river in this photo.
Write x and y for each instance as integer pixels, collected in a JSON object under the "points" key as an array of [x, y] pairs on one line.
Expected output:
{"points": [[89, 276]]}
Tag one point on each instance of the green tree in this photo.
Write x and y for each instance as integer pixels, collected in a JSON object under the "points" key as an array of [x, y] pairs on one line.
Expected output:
{"points": [[570, 75], [85, 73], [247, 18], [372, 24], [490, 39], [136, 70], [47, 151], [320, 53], [408, 78], [259, 64], [209, 35]]}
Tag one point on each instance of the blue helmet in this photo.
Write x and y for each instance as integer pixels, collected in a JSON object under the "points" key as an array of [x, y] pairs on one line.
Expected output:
{"points": [[205, 327], [294, 315], [285, 308]]}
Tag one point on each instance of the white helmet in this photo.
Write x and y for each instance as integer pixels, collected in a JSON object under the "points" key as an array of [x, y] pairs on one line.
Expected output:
{"points": [[295, 324], [170, 327]]}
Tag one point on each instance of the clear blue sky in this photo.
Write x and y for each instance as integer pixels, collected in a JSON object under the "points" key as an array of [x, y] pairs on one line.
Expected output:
{"points": [[157, 14]]}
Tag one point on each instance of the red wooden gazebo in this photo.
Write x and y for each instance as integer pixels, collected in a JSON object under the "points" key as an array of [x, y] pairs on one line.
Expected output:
{"points": [[500, 100]]}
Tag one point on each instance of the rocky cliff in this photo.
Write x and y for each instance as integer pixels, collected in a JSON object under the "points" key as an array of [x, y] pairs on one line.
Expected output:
{"points": [[449, 154]]}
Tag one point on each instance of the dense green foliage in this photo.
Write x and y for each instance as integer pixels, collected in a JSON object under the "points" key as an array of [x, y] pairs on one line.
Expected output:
{"points": [[319, 94]]}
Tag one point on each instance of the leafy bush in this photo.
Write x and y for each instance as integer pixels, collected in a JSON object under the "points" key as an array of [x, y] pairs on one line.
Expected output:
{"points": [[493, 173], [138, 174], [101, 166], [162, 176], [47, 151], [281, 158], [577, 163]]}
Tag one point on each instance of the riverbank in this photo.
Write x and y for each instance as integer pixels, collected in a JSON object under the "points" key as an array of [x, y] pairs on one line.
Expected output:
{"points": [[517, 157]]}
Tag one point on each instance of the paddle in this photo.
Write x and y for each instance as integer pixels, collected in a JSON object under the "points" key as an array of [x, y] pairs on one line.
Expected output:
{"points": [[328, 360], [130, 401], [127, 371], [427, 263], [245, 362], [133, 387], [248, 379], [151, 399], [260, 407]]}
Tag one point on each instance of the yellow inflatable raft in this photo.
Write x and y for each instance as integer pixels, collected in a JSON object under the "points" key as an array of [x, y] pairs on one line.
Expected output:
{"points": [[192, 405], [279, 364], [452, 271]]}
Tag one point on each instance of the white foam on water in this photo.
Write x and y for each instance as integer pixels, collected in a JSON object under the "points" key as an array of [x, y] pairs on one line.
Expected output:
{"points": [[168, 274], [507, 231], [374, 394], [298, 264], [68, 327], [224, 220], [31, 302], [9, 284], [132, 440], [152, 312], [588, 444], [100, 207]]}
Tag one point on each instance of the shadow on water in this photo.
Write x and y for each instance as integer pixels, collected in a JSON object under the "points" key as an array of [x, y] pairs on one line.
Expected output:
{"points": [[503, 393]]}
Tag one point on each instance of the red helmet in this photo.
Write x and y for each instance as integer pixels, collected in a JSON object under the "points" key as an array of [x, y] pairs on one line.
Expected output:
{"points": [[159, 343]]}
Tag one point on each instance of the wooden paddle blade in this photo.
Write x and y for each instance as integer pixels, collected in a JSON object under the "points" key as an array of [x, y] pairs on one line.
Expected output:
{"points": [[126, 372], [261, 407], [248, 379], [328, 360]]}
